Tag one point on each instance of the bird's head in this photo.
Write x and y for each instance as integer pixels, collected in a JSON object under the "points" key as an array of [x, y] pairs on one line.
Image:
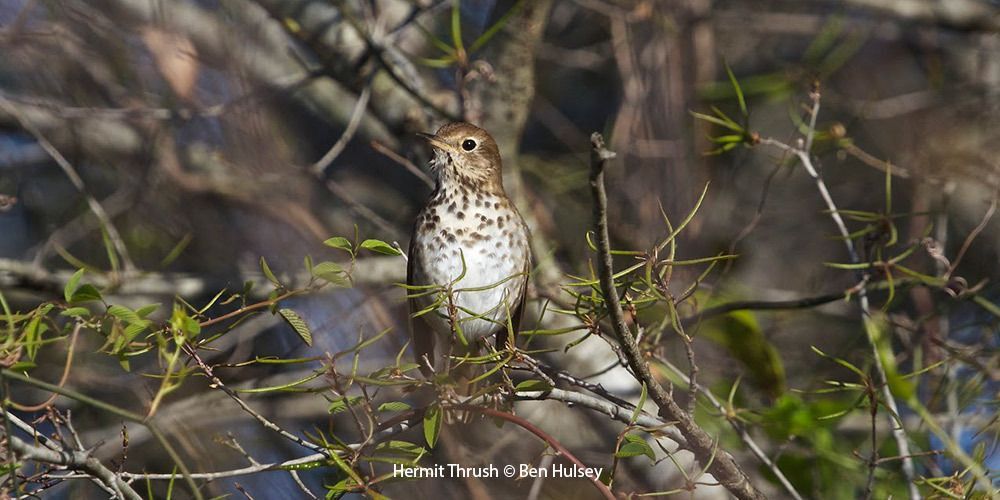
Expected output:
{"points": [[466, 154]]}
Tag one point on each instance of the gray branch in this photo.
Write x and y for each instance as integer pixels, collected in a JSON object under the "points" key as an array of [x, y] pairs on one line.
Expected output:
{"points": [[76, 460]]}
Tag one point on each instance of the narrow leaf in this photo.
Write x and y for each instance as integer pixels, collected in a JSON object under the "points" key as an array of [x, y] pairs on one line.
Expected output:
{"points": [[432, 425], [379, 246], [72, 285], [340, 243], [297, 324]]}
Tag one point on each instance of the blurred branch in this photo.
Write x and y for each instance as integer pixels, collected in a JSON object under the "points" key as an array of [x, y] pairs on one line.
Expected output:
{"points": [[20, 274], [411, 85], [342, 44], [612, 410], [74, 177], [94, 133], [407, 164], [958, 14], [83, 226], [717, 461], [357, 207], [265, 54], [802, 303], [319, 168]]}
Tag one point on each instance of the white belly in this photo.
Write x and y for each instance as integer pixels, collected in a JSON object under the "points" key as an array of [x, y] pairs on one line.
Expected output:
{"points": [[493, 280]]}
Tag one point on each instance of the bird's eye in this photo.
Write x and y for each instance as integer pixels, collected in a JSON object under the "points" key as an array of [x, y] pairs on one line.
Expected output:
{"points": [[469, 144]]}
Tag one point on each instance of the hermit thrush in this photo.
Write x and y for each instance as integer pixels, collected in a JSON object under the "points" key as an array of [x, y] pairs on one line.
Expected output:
{"points": [[469, 255]]}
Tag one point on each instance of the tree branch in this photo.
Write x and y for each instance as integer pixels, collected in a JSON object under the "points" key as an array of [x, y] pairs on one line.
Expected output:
{"points": [[76, 460], [718, 462]]}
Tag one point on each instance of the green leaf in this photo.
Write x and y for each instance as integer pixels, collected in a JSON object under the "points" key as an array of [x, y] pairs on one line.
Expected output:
{"points": [[74, 292], [123, 313], [456, 27], [183, 323], [380, 246], [268, 273], [393, 406], [146, 310], [738, 90], [76, 312], [876, 326], [442, 62], [297, 324], [497, 26], [176, 251], [634, 446], [133, 330], [400, 448], [22, 366], [638, 408], [340, 404], [331, 272], [33, 336], [85, 293], [339, 242], [741, 335], [533, 385], [72, 285], [432, 425]]}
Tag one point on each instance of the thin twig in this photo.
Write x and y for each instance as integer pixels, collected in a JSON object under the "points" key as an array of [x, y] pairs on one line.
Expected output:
{"points": [[898, 433], [319, 168], [972, 237], [110, 408], [257, 416], [407, 164], [612, 410]]}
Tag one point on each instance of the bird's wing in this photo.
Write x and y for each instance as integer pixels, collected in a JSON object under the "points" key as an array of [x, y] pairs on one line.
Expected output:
{"points": [[502, 337], [420, 330]]}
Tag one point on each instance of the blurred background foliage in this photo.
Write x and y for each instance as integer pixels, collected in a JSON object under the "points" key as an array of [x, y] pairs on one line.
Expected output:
{"points": [[203, 129]]}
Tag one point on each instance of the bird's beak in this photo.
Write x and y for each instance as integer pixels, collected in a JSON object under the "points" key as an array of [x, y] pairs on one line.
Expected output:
{"points": [[437, 143]]}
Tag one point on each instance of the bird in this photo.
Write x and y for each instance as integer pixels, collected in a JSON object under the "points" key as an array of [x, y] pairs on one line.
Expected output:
{"points": [[469, 254]]}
